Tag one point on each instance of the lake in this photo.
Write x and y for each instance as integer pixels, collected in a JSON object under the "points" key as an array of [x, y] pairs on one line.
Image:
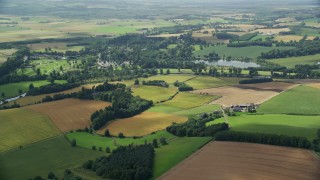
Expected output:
{"points": [[238, 64]]}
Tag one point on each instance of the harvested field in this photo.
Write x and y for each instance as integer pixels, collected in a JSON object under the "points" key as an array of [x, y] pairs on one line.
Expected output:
{"points": [[142, 124], [272, 31], [233, 160], [234, 95], [289, 38], [315, 85], [269, 86], [70, 114], [167, 35]]}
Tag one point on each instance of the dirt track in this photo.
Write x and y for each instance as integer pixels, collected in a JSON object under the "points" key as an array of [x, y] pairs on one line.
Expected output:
{"points": [[69, 114], [245, 161]]}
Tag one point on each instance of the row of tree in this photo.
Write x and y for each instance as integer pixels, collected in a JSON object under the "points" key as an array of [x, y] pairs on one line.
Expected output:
{"points": [[182, 86]]}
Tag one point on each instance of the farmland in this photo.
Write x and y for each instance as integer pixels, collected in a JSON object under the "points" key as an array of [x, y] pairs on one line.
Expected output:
{"points": [[19, 127], [54, 155], [224, 51], [189, 100], [154, 93], [69, 114], [168, 78], [307, 102], [292, 61], [12, 89], [5, 53], [269, 86], [291, 125], [142, 124], [59, 47], [204, 82], [166, 156], [225, 160], [184, 112], [233, 95]]}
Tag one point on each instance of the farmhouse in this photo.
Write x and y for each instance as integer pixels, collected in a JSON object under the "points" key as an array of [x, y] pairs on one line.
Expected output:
{"points": [[249, 107]]}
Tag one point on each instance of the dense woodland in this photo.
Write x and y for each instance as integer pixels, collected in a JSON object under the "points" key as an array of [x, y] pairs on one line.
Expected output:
{"points": [[125, 163]]}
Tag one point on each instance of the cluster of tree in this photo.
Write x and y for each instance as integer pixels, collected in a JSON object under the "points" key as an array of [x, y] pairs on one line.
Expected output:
{"points": [[160, 83], [124, 105], [272, 139], [68, 175], [50, 88], [197, 127], [213, 56], [9, 106], [307, 71], [182, 86], [316, 142], [255, 80], [304, 48], [125, 163], [251, 43], [222, 35]]}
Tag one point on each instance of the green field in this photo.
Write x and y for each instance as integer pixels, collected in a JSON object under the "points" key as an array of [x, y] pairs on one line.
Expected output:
{"points": [[53, 155], [291, 125], [19, 127], [299, 100], [170, 78], [250, 52], [154, 93], [292, 61], [187, 100], [205, 82], [166, 156], [12, 89], [184, 112]]}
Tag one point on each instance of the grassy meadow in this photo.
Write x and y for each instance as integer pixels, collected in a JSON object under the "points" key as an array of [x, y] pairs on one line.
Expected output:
{"points": [[291, 125], [19, 127], [292, 61], [54, 155], [154, 93], [298, 100], [205, 82], [12, 89]]}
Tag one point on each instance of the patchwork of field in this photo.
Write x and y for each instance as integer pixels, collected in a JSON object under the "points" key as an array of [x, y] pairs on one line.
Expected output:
{"points": [[69, 114], [12, 89], [232, 160], [19, 127], [204, 82], [54, 155], [142, 124], [186, 100], [29, 100], [154, 93], [234, 95], [269, 86], [291, 125], [250, 52], [292, 61], [298, 100], [167, 156]]}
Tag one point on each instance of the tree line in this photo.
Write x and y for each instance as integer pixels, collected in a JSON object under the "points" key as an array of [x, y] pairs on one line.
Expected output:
{"points": [[182, 86]]}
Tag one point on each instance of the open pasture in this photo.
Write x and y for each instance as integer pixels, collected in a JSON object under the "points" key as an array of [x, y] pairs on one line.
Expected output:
{"points": [[59, 47], [272, 30], [12, 89], [290, 125], [29, 100], [298, 100], [269, 86], [19, 127], [205, 82], [167, 156], [69, 114], [315, 85], [233, 160], [154, 93], [170, 78], [292, 61], [233, 95], [54, 155], [186, 100], [142, 124]]}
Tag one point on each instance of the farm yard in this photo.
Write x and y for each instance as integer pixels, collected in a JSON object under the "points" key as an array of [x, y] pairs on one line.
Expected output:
{"points": [[142, 124], [307, 100], [19, 127], [290, 125], [233, 95], [232, 160], [69, 114]]}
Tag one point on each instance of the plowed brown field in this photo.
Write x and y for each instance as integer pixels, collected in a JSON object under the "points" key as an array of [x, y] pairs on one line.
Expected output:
{"points": [[244, 161], [270, 86], [70, 114]]}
